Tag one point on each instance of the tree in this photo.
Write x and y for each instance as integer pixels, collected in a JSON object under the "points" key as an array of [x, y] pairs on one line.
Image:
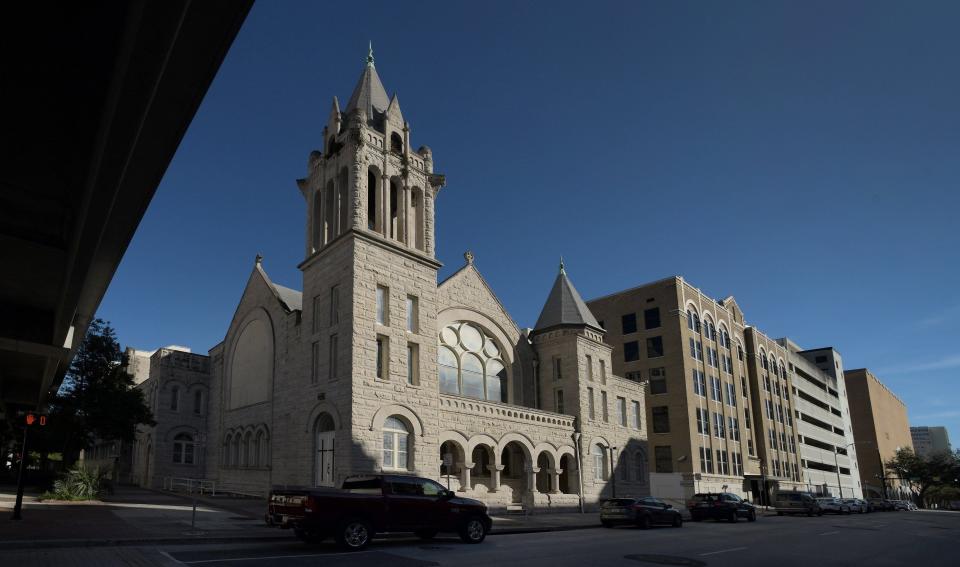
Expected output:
{"points": [[925, 473], [97, 398]]}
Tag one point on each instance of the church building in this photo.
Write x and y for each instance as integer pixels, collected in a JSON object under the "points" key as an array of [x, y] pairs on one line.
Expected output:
{"points": [[376, 366]]}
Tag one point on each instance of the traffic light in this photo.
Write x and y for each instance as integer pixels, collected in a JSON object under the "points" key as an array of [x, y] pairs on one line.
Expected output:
{"points": [[33, 418]]}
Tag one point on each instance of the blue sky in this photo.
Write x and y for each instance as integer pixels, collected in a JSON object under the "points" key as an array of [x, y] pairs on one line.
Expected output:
{"points": [[802, 156]]}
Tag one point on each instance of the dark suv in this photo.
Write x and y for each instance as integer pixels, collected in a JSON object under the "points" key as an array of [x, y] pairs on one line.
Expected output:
{"points": [[721, 506]]}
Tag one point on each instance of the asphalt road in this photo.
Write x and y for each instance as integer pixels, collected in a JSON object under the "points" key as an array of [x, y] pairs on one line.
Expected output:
{"points": [[926, 539]]}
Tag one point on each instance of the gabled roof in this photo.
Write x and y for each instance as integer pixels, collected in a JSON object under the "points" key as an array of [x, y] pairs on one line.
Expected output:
{"points": [[369, 94], [291, 298], [564, 306]]}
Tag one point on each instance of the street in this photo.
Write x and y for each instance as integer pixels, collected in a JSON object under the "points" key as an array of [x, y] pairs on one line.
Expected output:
{"points": [[879, 539]]}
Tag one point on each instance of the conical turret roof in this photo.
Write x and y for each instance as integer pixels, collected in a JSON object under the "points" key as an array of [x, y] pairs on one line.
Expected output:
{"points": [[369, 94], [564, 306]]}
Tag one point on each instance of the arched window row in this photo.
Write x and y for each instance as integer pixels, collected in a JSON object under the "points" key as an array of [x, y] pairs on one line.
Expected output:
{"points": [[331, 208], [471, 363], [395, 210], [246, 448]]}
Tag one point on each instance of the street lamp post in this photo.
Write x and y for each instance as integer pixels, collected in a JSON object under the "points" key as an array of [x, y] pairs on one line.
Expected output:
{"points": [[613, 470]]}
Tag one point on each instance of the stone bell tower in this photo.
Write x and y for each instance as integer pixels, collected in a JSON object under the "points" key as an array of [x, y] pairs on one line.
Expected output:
{"points": [[370, 277]]}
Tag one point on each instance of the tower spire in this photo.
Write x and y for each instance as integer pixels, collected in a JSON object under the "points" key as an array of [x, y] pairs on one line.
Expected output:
{"points": [[370, 54], [562, 270]]}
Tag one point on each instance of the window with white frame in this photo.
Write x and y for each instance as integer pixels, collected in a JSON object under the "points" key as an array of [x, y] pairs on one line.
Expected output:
{"points": [[635, 405], [396, 439], [699, 383], [471, 363], [622, 411], [383, 307], [183, 447], [599, 462]]}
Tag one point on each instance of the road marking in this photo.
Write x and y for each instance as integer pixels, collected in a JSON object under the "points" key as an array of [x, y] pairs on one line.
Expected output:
{"points": [[829, 533], [722, 551], [225, 559]]}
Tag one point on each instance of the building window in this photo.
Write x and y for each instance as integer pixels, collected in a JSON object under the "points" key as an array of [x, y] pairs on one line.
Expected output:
{"points": [[333, 354], [661, 419], [723, 465], [706, 461], [603, 371], [734, 428], [703, 421], [654, 347], [739, 352], [183, 449], [591, 404], [383, 357], [699, 383], [334, 305], [557, 369], [396, 439], [631, 351], [558, 400], [718, 431], [715, 389], [470, 363], [198, 402], [636, 414], [603, 402], [731, 395], [413, 363], [640, 461], [651, 318], [750, 447], [175, 398], [737, 464], [658, 380], [589, 363], [315, 361], [696, 349], [413, 316], [663, 459], [628, 323], [599, 462], [383, 307], [622, 411]]}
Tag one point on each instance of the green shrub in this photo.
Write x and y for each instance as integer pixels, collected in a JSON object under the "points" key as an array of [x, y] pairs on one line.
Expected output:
{"points": [[80, 483]]}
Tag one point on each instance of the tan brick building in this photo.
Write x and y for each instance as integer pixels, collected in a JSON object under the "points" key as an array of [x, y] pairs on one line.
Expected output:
{"points": [[377, 366], [690, 351], [880, 428]]}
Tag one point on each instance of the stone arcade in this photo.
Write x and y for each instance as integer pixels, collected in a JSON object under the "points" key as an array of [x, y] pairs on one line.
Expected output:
{"points": [[376, 366]]}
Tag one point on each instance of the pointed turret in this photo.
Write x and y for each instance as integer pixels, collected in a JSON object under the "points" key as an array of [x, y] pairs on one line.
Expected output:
{"points": [[369, 94], [565, 307]]}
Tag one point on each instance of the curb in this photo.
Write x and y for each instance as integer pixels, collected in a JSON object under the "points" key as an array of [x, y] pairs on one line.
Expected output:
{"points": [[540, 529]]}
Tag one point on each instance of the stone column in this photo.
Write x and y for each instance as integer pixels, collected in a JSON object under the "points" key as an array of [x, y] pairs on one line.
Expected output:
{"points": [[428, 221], [384, 209], [465, 476], [532, 479], [494, 477], [402, 213], [555, 480]]}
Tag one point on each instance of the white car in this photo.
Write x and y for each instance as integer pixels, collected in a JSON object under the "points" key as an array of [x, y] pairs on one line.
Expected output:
{"points": [[856, 505], [833, 506]]}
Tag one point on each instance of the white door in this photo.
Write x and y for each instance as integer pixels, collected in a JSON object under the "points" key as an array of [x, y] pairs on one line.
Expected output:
{"points": [[325, 445]]}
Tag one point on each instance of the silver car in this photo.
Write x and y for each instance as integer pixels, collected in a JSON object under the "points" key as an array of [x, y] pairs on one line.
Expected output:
{"points": [[856, 505], [833, 506]]}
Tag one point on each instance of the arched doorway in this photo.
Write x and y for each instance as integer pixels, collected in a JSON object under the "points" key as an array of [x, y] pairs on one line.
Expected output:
{"points": [[543, 475], [480, 475], [514, 461], [451, 464], [325, 435], [568, 480]]}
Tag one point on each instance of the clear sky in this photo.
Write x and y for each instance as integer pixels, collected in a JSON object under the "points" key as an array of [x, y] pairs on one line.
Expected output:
{"points": [[801, 156]]}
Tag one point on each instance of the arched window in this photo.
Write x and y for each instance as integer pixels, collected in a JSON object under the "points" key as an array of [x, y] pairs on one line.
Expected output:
{"points": [[245, 455], [183, 449], [395, 207], [316, 236], [343, 201], [225, 456], [263, 449], [773, 365], [416, 204], [763, 360], [396, 143], [471, 363], [599, 454], [329, 213], [198, 402], [709, 331], [396, 439], [623, 465], [235, 459], [175, 398], [325, 440], [372, 184]]}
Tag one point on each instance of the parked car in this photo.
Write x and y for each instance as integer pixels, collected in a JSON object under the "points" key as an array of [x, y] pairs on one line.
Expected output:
{"points": [[368, 505], [900, 505], [833, 506], [796, 502], [881, 504], [856, 505], [721, 506], [642, 512]]}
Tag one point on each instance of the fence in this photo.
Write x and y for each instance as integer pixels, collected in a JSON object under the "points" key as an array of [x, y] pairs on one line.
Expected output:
{"points": [[190, 485]]}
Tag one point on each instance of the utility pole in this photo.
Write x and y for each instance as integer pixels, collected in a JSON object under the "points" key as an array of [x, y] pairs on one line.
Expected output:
{"points": [[20, 477], [837, 465]]}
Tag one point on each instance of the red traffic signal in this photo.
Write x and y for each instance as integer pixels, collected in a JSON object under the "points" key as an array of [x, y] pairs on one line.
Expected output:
{"points": [[35, 419]]}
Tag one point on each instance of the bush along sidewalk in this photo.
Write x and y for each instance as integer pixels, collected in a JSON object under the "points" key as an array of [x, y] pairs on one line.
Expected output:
{"points": [[79, 483]]}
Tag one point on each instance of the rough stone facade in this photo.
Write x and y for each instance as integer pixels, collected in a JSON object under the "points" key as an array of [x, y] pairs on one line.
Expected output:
{"points": [[376, 366]]}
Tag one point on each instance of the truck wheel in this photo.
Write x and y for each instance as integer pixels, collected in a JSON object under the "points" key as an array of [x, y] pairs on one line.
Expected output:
{"points": [[425, 535], [753, 516], [733, 517], [354, 535], [473, 531]]}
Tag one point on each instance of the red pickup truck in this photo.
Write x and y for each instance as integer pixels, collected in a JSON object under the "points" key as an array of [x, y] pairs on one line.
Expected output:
{"points": [[376, 504]]}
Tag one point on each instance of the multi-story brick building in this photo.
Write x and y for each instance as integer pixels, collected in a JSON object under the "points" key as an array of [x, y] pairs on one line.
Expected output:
{"points": [[689, 350], [880, 428], [930, 440], [377, 366]]}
